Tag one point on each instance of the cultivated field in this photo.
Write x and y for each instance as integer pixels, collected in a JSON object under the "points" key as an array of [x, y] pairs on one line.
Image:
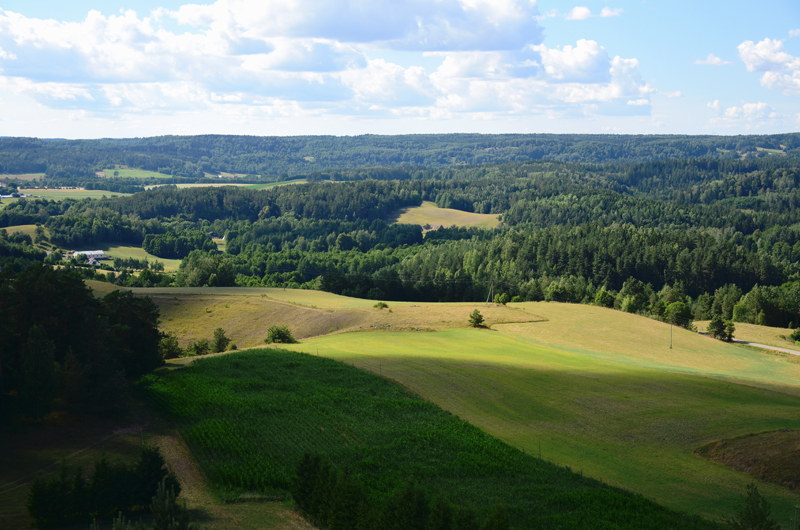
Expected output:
{"points": [[428, 213], [60, 195]]}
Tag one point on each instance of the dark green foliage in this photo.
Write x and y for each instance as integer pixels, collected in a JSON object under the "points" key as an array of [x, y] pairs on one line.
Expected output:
{"points": [[169, 348], [112, 487], [502, 299], [716, 328], [475, 319], [201, 347], [177, 246], [753, 513], [604, 298], [58, 339], [209, 269], [279, 335], [265, 413], [220, 342], [167, 513], [381, 305], [679, 313], [795, 336], [38, 386]]}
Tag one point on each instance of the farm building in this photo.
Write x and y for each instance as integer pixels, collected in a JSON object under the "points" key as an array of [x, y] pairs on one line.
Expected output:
{"points": [[89, 254]]}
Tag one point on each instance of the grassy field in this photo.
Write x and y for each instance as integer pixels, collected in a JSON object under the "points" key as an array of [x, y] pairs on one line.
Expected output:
{"points": [[26, 176], [136, 174], [124, 251], [6, 202], [25, 229], [778, 337], [193, 313], [60, 195], [249, 417], [430, 214], [190, 185], [631, 426], [273, 184]]}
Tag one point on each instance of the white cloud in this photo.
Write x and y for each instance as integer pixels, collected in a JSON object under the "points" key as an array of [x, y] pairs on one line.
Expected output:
{"points": [[675, 94], [579, 13], [790, 84], [712, 60], [767, 55], [638, 102], [609, 12], [713, 105], [585, 62], [794, 33]]}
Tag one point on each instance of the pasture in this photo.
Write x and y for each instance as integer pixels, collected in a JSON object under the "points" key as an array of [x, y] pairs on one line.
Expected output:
{"points": [[135, 173], [429, 214], [60, 195], [249, 417], [125, 251], [6, 202], [25, 176], [273, 184], [778, 337], [24, 229]]}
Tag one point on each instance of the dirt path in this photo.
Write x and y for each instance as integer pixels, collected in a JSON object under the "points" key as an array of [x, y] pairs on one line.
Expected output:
{"points": [[767, 347]]}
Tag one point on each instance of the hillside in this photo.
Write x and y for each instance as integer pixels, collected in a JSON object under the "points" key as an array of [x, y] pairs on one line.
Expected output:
{"points": [[598, 389]]}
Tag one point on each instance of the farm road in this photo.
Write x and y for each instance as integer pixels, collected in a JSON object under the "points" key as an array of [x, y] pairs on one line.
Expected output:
{"points": [[767, 347]]}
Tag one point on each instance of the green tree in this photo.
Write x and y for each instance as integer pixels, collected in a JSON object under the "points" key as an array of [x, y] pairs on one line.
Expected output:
{"points": [[502, 298], [753, 513], [476, 319], [716, 328], [280, 335], [220, 342], [38, 373], [604, 298], [169, 348], [730, 328], [680, 313]]}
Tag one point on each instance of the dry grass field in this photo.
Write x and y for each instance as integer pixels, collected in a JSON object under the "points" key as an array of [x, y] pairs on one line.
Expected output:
{"points": [[60, 195], [429, 214], [778, 337]]}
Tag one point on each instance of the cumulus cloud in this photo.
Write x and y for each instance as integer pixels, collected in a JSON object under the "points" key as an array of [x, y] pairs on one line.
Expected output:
{"points": [[712, 60], [794, 33], [609, 12], [751, 111], [271, 58], [713, 105], [781, 69], [579, 13], [767, 55]]}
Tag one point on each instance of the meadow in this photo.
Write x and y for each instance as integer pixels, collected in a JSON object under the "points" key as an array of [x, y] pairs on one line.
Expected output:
{"points": [[136, 174], [60, 195], [125, 251], [25, 176], [430, 214], [771, 336], [249, 417], [273, 184]]}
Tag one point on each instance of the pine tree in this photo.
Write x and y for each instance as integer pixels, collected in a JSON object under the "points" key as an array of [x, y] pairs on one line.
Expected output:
{"points": [[38, 374]]}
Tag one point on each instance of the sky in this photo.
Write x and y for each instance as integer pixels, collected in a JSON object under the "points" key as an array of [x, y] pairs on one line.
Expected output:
{"points": [[92, 69]]}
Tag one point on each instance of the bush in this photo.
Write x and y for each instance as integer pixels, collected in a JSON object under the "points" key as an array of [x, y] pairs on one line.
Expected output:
{"points": [[476, 319], [753, 513], [279, 335], [795, 336], [200, 347], [169, 348], [381, 305], [501, 298]]}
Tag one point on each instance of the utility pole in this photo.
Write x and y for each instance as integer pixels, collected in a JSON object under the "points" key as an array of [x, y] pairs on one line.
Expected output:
{"points": [[491, 292], [284, 280], [671, 322]]}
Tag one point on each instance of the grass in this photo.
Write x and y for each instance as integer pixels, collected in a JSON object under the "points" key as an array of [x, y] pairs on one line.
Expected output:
{"points": [[273, 184], [124, 251], [770, 456], [631, 426], [192, 313], [25, 176], [429, 213], [249, 417], [194, 185], [136, 174], [6, 202], [778, 337], [60, 195], [25, 229]]}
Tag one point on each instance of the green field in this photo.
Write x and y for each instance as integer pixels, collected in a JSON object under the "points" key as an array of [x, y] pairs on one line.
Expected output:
{"points": [[249, 417], [26, 176], [136, 174], [630, 426], [430, 214], [60, 195], [273, 184], [124, 251], [6, 202]]}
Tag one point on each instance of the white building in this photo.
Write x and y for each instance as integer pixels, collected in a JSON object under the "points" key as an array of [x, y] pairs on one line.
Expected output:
{"points": [[89, 254]]}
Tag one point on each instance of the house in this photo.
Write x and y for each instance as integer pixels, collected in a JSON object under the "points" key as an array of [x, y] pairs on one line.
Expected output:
{"points": [[213, 235], [93, 262], [89, 254]]}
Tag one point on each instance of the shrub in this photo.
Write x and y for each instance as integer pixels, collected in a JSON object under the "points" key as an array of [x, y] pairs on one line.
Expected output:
{"points": [[279, 335], [381, 305], [795, 336], [200, 347], [501, 298], [476, 319], [169, 348], [753, 513]]}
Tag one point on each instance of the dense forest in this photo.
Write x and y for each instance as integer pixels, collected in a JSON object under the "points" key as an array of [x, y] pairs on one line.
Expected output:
{"points": [[638, 223]]}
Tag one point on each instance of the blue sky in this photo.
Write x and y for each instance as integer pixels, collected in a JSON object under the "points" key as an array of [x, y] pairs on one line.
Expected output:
{"points": [[85, 69]]}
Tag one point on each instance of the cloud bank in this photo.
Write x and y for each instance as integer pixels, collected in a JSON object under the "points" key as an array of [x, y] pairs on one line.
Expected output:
{"points": [[255, 60]]}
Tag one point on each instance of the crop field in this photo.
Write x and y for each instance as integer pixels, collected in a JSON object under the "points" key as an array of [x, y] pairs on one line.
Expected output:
{"points": [[428, 213], [629, 425], [249, 417], [194, 313], [60, 195]]}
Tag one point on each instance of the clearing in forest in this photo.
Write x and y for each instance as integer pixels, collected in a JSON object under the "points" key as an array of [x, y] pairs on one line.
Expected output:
{"points": [[430, 214], [60, 195]]}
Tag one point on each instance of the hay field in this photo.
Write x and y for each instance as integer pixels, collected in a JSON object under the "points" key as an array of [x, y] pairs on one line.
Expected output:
{"points": [[193, 314], [631, 426], [429, 213], [60, 195]]}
